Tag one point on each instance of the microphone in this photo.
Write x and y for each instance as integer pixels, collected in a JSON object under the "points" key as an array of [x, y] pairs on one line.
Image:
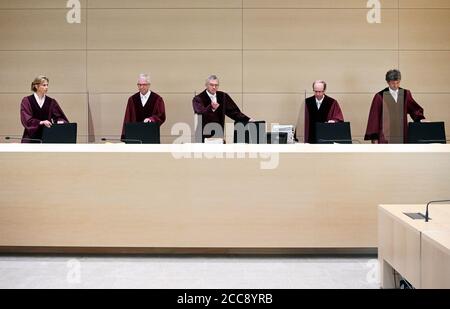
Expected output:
{"points": [[24, 139], [432, 202], [122, 140], [348, 141]]}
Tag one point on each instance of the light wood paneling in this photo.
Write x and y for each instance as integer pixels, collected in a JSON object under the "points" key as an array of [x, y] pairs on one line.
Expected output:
{"points": [[174, 71], [132, 4], [33, 4], [426, 71], [416, 249], [104, 206], [436, 259], [65, 69], [294, 71], [318, 29], [40, 30], [314, 4], [425, 29], [399, 245], [424, 4], [264, 50], [165, 29]]}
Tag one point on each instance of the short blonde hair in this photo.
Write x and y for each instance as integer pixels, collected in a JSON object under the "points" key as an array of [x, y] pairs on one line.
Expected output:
{"points": [[37, 81]]}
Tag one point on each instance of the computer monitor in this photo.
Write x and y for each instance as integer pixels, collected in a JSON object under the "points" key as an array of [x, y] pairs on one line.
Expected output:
{"points": [[337, 132], [277, 137], [426, 132], [142, 133], [65, 133], [253, 132]]}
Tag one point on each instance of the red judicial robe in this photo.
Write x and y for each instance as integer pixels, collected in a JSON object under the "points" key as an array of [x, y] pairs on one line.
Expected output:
{"points": [[31, 114], [202, 106], [153, 109], [375, 122], [329, 110]]}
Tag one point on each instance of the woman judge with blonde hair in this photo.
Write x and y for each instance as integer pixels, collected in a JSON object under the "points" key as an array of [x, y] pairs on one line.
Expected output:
{"points": [[39, 110]]}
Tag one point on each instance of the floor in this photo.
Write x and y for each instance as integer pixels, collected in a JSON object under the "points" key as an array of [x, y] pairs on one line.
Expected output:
{"points": [[189, 272]]}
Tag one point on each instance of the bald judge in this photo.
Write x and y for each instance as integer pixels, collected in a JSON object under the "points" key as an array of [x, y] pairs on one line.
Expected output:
{"points": [[145, 105], [320, 108]]}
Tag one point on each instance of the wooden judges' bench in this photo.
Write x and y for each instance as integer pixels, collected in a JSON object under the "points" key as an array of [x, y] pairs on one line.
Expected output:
{"points": [[209, 198], [418, 251]]}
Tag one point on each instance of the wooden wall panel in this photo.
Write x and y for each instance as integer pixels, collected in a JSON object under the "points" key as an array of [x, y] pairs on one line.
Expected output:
{"points": [[425, 29], [165, 29], [173, 72], [426, 71], [294, 71], [266, 53], [424, 4], [120, 4], [318, 29], [65, 69], [314, 4], [40, 30], [33, 4]]}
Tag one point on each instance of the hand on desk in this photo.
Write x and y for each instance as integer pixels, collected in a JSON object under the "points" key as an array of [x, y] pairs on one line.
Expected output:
{"points": [[46, 123]]}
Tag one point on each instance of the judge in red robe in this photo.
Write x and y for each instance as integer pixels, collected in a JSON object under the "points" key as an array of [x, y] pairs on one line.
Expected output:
{"points": [[212, 106], [382, 124], [320, 108], [144, 106], [39, 110]]}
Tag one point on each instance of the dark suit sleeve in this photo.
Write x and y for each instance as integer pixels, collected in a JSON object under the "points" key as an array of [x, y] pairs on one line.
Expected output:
{"points": [[233, 111]]}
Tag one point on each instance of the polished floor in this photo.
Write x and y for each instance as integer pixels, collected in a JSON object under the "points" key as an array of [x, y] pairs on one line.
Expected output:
{"points": [[191, 272]]}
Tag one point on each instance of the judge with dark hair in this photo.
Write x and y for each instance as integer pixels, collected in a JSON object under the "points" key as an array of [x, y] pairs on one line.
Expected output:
{"points": [[320, 108], [144, 106], [387, 121], [212, 106], [39, 110]]}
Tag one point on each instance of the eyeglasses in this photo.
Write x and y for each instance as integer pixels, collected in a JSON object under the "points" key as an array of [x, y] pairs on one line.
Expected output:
{"points": [[213, 85], [140, 85]]}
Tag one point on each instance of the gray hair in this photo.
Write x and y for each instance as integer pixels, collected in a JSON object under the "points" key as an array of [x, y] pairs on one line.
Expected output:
{"points": [[393, 75], [144, 76], [210, 78], [320, 82], [37, 81]]}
